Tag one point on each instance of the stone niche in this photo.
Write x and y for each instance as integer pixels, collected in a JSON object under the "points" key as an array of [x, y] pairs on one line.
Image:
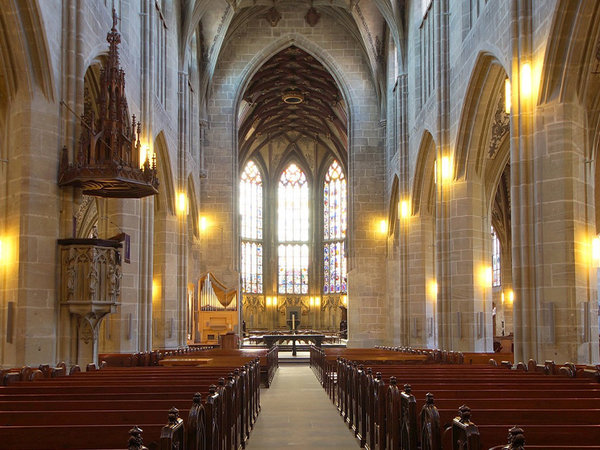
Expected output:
{"points": [[90, 289]]}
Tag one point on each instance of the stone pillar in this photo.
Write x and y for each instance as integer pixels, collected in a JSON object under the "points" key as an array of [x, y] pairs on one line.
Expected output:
{"points": [[470, 312]]}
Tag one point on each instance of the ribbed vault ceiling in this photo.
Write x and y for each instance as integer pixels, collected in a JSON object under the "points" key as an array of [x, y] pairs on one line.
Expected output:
{"points": [[293, 92]]}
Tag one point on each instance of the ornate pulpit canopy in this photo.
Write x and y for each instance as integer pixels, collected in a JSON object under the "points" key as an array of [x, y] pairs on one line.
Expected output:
{"points": [[107, 163]]}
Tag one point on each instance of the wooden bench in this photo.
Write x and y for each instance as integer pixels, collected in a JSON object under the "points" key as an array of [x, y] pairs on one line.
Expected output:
{"points": [[95, 409], [377, 401]]}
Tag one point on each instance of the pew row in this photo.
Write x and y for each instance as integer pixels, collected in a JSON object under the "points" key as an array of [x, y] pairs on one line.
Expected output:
{"points": [[97, 409], [391, 406]]}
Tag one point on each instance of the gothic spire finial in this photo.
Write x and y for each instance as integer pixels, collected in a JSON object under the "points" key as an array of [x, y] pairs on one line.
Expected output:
{"points": [[115, 18]]}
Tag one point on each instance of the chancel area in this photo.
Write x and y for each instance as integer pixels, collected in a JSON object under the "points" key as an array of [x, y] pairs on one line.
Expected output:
{"points": [[394, 192]]}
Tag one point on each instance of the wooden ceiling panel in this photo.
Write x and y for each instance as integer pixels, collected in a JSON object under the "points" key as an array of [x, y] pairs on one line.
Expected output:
{"points": [[318, 112]]}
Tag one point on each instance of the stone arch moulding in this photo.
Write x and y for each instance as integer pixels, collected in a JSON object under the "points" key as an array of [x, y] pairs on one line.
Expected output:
{"points": [[321, 172], [24, 49], [393, 206], [478, 109], [194, 205], [320, 54], [422, 182], [165, 174], [293, 157], [573, 37]]}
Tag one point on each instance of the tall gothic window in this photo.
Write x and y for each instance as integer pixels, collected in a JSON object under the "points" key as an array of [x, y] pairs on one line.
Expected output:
{"points": [[334, 227], [251, 209], [495, 259], [293, 220]]}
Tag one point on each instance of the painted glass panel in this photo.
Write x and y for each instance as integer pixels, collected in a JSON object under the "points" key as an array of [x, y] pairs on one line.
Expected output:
{"points": [[496, 280], [334, 230], [293, 231], [251, 229]]}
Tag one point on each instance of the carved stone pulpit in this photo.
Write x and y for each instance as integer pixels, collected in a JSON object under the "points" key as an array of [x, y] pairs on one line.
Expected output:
{"points": [[90, 288]]}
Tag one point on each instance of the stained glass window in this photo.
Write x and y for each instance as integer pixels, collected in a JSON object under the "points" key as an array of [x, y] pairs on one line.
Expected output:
{"points": [[495, 259], [293, 223], [334, 230], [251, 229]]}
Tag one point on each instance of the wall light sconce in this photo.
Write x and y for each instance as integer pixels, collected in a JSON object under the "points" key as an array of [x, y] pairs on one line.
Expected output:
{"points": [[155, 289], [507, 98], [182, 203], [146, 153], [311, 301], [596, 251], [433, 289], [317, 301], [383, 226], [445, 172], [269, 301], [508, 296], [526, 87], [274, 301], [486, 276], [202, 224], [345, 300], [404, 209], [446, 169]]}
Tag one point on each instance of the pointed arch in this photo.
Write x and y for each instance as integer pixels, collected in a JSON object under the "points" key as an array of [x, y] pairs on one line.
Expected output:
{"points": [[293, 155], [567, 71], [423, 190], [166, 196], [300, 41], [478, 114], [24, 55]]}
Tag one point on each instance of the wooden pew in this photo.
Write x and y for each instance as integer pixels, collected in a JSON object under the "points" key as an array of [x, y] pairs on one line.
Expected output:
{"points": [[383, 414], [224, 419]]}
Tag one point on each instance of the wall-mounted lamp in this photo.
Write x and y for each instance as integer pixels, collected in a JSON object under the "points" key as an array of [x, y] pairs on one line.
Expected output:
{"points": [[596, 251], [317, 301], [507, 98], [433, 289], [146, 153], [445, 172], [383, 226], [508, 296], [202, 224], [404, 209], [345, 300], [182, 203], [269, 301], [526, 84], [486, 276], [311, 301], [274, 301], [155, 289]]}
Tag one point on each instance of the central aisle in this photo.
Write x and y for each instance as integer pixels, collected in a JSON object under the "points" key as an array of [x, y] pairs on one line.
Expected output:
{"points": [[297, 414]]}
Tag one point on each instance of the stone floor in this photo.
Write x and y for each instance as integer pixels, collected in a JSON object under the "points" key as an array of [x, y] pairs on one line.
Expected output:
{"points": [[297, 414]]}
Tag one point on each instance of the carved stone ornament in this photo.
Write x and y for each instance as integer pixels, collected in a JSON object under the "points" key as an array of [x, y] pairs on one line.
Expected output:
{"points": [[91, 275], [273, 16], [330, 303], [107, 162], [312, 17], [500, 128], [293, 301], [253, 304]]}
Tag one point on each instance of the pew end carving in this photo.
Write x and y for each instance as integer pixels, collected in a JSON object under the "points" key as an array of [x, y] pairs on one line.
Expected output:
{"points": [[465, 434], [135, 439], [431, 435], [172, 435]]}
